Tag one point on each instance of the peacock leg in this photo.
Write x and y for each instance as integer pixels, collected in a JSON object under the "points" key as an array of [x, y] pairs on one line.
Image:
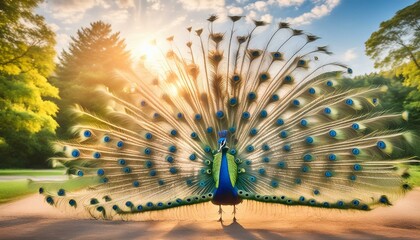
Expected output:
{"points": [[220, 213], [234, 213]]}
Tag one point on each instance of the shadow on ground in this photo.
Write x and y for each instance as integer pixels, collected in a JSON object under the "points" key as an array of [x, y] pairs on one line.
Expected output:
{"points": [[40, 228]]}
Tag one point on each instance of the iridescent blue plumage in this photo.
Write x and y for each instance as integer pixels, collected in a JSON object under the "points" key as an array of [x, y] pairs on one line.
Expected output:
{"points": [[226, 193]]}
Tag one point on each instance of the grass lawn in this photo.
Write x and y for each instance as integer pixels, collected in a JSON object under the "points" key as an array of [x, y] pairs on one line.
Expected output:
{"points": [[15, 189], [11, 190]]}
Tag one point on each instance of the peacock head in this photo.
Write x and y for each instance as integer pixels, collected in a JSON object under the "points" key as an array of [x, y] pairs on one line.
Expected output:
{"points": [[222, 140]]}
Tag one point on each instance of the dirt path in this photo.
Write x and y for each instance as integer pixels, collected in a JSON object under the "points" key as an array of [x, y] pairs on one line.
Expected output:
{"points": [[31, 218]]}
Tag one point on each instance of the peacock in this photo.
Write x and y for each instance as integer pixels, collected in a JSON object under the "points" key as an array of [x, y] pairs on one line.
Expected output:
{"points": [[252, 112]]}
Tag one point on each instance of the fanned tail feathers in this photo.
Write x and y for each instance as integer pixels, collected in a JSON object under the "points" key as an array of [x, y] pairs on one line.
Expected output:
{"points": [[298, 135]]}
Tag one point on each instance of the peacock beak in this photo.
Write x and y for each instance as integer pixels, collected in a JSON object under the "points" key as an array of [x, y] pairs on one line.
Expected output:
{"points": [[220, 147]]}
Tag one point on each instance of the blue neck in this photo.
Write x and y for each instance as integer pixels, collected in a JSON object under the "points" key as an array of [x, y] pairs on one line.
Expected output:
{"points": [[226, 194], [225, 182]]}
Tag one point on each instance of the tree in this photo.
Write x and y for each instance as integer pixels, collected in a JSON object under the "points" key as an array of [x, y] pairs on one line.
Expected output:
{"points": [[396, 44], [26, 60], [93, 55], [91, 60], [397, 39]]}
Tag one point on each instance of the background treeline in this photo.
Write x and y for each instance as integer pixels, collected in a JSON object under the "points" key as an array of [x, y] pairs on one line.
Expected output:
{"points": [[35, 94]]}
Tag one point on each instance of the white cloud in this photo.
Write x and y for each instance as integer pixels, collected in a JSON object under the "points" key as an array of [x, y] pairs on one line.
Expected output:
{"points": [[202, 4], [70, 17], [155, 5], [316, 12], [235, 11], [260, 6], [62, 40], [175, 23], [287, 3], [117, 16], [125, 3], [350, 54], [267, 18], [70, 11], [252, 15], [54, 27], [103, 3]]}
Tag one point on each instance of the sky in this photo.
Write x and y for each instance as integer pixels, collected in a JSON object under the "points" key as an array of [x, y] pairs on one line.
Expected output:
{"points": [[343, 25]]}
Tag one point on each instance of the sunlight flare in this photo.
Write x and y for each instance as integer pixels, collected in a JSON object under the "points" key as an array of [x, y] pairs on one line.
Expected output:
{"points": [[147, 50]]}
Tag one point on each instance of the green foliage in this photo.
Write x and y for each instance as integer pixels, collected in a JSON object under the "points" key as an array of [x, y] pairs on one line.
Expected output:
{"points": [[397, 39], [91, 60], [397, 44], [26, 60], [397, 98], [412, 105], [410, 72], [24, 149]]}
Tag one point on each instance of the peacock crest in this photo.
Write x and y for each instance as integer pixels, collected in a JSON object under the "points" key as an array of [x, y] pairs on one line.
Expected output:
{"points": [[232, 117]]}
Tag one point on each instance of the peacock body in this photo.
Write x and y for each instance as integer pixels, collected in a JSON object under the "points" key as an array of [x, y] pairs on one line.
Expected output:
{"points": [[235, 121]]}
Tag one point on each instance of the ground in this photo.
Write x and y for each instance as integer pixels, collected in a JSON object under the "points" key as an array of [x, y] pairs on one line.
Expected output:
{"points": [[32, 218]]}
